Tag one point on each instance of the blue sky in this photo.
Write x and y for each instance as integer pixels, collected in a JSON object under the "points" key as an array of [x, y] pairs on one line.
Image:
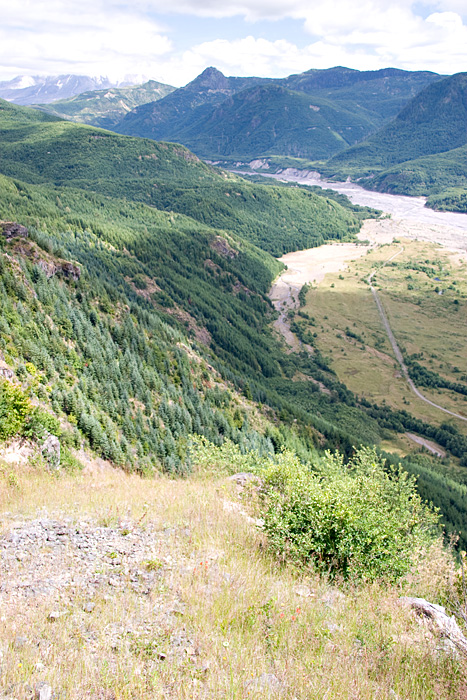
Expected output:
{"points": [[244, 37]]}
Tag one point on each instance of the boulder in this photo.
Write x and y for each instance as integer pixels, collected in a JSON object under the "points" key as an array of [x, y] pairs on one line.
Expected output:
{"points": [[43, 691], [440, 621], [51, 451]]}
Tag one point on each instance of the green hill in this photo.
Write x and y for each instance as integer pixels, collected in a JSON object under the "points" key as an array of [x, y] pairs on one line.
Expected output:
{"points": [[433, 123], [106, 108], [423, 176], [40, 149], [85, 195]]}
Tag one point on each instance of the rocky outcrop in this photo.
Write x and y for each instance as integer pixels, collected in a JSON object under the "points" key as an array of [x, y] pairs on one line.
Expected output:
{"points": [[10, 229], [221, 246], [5, 371], [66, 269], [440, 622], [51, 451], [48, 263]]}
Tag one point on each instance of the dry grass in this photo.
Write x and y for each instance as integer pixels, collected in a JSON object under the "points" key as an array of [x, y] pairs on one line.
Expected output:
{"points": [[219, 613]]}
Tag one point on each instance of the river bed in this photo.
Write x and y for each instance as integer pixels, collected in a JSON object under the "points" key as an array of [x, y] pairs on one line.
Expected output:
{"points": [[409, 218]]}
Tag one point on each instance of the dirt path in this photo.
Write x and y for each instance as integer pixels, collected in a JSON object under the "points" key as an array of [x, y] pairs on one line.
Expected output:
{"points": [[428, 444]]}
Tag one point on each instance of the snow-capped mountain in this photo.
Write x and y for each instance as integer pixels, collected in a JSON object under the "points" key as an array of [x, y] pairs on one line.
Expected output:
{"points": [[37, 89]]}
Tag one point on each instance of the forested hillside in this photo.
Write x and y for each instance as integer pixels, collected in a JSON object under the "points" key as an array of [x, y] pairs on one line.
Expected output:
{"points": [[135, 312], [258, 122], [175, 112], [37, 148]]}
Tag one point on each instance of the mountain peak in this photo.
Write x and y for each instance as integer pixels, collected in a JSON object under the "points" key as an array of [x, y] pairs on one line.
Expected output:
{"points": [[212, 79]]}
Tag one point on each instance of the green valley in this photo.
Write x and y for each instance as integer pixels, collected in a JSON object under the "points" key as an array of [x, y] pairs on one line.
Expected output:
{"points": [[164, 329]]}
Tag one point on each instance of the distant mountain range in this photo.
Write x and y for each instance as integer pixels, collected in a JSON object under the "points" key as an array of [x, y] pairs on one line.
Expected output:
{"points": [[311, 115], [106, 108], [37, 89]]}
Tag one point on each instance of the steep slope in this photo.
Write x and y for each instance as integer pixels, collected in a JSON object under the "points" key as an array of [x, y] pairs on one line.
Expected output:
{"points": [[106, 108], [130, 329], [269, 119], [37, 148], [433, 122]]}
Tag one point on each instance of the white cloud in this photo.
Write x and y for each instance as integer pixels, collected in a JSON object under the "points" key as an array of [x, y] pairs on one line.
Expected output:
{"points": [[58, 37], [114, 37]]}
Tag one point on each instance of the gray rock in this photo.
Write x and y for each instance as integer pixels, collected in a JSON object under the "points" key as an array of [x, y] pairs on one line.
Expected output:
{"points": [[244, 479], [10, 229], [6, 372], [442, 623], [266, 683], [51, 451], [20, 641], [54, 615], [303, 591], [42, 691]]}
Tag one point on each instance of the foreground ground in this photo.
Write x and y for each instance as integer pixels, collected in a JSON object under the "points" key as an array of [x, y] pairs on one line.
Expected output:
{"points": [[112, 586]]}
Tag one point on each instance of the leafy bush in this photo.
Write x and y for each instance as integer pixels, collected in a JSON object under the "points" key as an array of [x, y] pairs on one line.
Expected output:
{"points": [[40, 423], [19, 417], [15, 408], [357, 521]]}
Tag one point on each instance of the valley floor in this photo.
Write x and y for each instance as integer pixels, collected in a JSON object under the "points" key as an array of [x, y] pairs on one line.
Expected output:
{"points": [[339, 300], [116, 587]]}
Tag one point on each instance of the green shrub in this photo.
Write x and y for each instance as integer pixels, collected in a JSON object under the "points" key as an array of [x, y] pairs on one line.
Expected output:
{"points": [[356, 522], [15, 408], [19, 417], [40, 423]]}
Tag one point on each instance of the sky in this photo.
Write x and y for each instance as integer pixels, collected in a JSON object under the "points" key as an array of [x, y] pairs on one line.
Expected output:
{"points": [[273, 38]]}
